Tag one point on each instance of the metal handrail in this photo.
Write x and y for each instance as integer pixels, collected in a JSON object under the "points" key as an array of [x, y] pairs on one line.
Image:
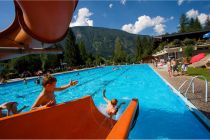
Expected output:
{"points": [[183, 84], [193, 86]]}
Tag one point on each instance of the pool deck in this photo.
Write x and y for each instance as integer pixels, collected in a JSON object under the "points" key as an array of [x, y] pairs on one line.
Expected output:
{"points": [[196, 99]]}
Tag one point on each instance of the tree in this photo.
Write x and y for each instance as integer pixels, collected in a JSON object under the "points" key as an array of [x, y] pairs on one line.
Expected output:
{"points": [[98, 60], [30, 63], [123, 56], [43, 58], [188, 51], [176, 42], [119, 53], [83, 52], [52, 61], [207, 24], [139, 48], [71, 50], [161, 45], [183, 23], [147, 44], [191, 26], [197, 25], [89, 60], [189, 42], [78, 56]]}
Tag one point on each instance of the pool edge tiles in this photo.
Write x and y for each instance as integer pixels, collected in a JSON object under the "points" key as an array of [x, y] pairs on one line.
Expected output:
{"points": [[199, 115]]}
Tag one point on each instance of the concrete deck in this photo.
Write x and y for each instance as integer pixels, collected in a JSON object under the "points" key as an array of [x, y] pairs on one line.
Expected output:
{"points": [[196, 99]]}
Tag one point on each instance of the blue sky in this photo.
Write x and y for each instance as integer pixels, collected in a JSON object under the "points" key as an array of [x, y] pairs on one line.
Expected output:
{"points": [[139, 17]]}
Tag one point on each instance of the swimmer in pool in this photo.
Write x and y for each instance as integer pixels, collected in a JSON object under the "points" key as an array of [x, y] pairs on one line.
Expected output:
{"points": [[11, 108], [111, 108]]}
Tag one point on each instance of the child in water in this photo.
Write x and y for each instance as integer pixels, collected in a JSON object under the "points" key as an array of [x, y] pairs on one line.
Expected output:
{"points": [[11, 108], [111, 109], [47, 97]]}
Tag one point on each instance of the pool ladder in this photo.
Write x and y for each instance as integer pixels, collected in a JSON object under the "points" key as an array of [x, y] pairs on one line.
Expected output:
{"points": [[193, 86]]}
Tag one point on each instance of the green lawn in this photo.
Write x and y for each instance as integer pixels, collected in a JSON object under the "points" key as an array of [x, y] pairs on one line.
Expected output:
{"points": [[199, 71]]}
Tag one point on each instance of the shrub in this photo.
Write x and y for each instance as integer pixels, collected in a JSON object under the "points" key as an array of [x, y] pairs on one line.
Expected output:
{"points": [[199, 71], [188, 51], [188, 42], [177, 42]]}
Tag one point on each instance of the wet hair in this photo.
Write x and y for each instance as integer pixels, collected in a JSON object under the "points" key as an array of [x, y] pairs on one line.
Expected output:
{"points": [[48, 79], [114, 101]]}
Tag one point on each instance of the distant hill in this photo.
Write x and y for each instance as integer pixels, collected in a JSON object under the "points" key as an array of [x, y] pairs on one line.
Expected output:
{"points": [[101, 41]]}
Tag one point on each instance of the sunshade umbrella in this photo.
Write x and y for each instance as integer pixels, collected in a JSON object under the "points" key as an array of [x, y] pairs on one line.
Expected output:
{"points": [[197, 58], [207, 35]]}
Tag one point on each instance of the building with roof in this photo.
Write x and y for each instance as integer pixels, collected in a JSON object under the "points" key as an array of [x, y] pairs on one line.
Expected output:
{"points": [[177, 51]]}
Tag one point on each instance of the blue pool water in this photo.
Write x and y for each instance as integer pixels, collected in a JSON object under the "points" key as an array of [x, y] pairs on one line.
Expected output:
{"points": [[162, 114]]}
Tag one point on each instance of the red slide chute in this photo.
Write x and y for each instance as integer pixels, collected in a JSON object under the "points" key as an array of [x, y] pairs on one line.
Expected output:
{"points": [[37, 25]]}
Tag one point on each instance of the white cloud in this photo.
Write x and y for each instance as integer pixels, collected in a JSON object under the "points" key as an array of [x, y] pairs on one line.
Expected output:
{"points": [[82, 18], [129, 28], [202, 17], [143, 22], [159, 28], [110, 5], [123, 2], [180, 2], [192, 13]]}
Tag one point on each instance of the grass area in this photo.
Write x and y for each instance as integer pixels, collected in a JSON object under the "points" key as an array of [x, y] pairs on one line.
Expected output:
{"points": [[199, 71]]}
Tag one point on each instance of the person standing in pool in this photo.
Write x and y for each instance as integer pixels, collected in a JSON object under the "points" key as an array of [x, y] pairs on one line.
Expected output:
{"points": [[111, 109], [47, 96], [38, 80], [25, 81]]}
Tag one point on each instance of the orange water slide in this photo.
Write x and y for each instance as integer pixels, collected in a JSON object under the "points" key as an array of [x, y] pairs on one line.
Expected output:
{"points": [[37, 25], [75, 119]]}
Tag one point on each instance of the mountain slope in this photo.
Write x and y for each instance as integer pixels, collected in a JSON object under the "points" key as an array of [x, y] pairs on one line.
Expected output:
{"points": [[101, 41]]}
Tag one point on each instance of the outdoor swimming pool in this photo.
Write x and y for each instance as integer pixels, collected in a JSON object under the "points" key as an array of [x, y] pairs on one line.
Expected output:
{"points": [[162, 114]]}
